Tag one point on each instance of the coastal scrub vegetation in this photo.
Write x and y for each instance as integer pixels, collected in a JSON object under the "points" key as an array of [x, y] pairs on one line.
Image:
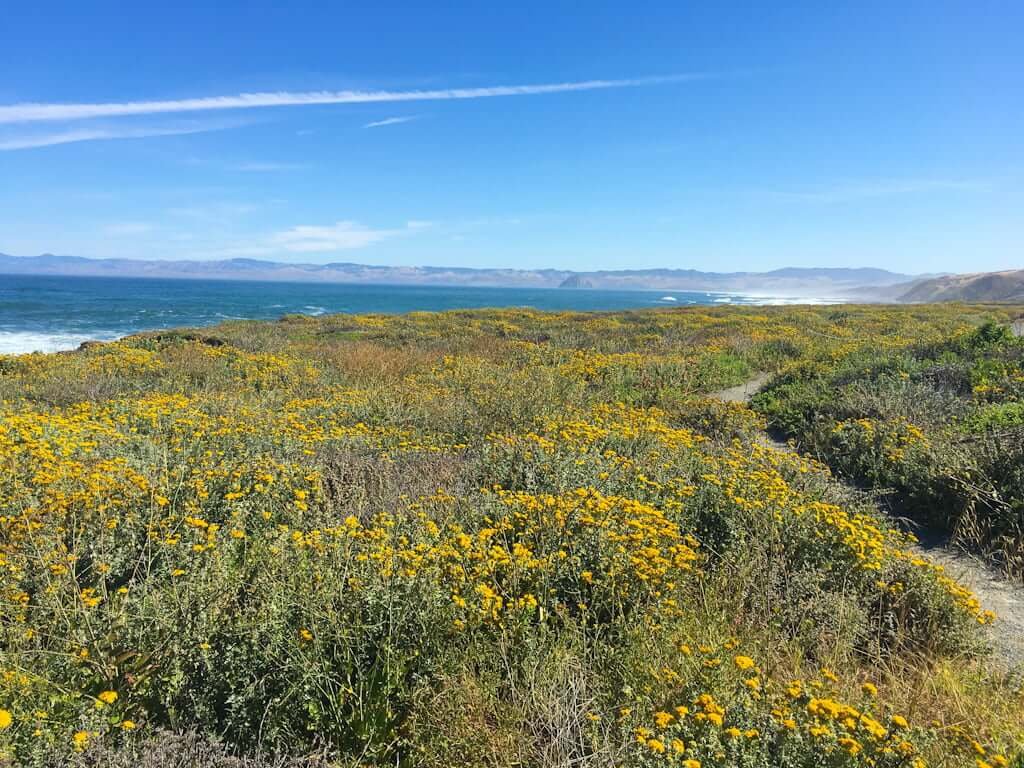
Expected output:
{"points": [[485, 538], [938, 426]]}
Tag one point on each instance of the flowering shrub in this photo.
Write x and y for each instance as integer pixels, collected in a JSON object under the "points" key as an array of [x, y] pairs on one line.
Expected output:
{"points": [[937, 424], [730, 713], [355, 535]]}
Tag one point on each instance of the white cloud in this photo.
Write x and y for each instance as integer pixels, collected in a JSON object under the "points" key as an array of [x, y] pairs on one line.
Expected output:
{"points": [[341, 236], [97, 134], [267, 167], [391, 121], [36, 112], [127, 228]]}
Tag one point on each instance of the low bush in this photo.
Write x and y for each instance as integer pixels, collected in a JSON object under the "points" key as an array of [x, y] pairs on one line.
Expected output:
{"points": [[936, 427], [497, 551]]}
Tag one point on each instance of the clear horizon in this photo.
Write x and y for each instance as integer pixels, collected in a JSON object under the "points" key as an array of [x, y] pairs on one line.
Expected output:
{"points": [[721, 139]]}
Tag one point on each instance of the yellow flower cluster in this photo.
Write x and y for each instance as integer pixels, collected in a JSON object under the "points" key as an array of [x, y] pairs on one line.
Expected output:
{"points": [[794, 721], [483, 476]]}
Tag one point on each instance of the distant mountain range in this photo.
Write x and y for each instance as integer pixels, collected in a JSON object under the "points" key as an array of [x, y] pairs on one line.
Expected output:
{"points": [[863, 283], [980, 286]]}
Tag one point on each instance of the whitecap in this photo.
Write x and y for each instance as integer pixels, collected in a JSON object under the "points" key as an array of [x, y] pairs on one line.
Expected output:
{"points": [[21, 342]]}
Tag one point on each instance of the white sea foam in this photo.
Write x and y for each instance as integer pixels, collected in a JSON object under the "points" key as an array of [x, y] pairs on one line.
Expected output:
{"points": [[20, 342], [71, 333]]}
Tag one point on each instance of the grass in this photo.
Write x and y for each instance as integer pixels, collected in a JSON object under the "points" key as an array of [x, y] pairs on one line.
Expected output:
{"points": [[482, 537]]}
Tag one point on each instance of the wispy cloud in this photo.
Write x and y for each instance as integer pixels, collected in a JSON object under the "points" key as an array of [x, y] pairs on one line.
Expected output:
{"points": [[391, 121], [216, 211], [36, 112], [320, 238], [267, 167], [341, 236], [127, 228], [98, 134]]}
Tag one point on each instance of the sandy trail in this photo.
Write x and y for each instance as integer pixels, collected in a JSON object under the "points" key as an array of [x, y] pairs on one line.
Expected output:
{"points": [[995, 591]]}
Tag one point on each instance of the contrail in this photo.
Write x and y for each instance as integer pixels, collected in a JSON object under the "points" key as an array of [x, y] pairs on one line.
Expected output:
{"points": [[89, 134], [39, 112]]}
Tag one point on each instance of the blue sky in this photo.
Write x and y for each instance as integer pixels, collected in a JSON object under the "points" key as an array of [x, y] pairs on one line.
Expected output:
{"points": [[724, 136]]}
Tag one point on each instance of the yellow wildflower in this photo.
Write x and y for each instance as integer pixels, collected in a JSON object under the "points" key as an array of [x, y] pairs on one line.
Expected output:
{"points": [[744, 662]]}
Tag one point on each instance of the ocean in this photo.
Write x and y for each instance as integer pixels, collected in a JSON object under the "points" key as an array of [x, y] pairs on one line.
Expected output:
{"points": [[50, 313]]}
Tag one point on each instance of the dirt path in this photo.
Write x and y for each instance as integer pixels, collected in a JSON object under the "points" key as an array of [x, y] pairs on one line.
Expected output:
{"points": [[996, 592], [745, 391]]}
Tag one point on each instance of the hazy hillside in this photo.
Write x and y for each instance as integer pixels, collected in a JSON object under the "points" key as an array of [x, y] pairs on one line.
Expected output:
{"points": [[980, 286], [863, 283]]}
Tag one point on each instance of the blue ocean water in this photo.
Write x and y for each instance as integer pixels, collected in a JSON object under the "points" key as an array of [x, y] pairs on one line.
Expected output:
{"points": [[47, 313]]}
